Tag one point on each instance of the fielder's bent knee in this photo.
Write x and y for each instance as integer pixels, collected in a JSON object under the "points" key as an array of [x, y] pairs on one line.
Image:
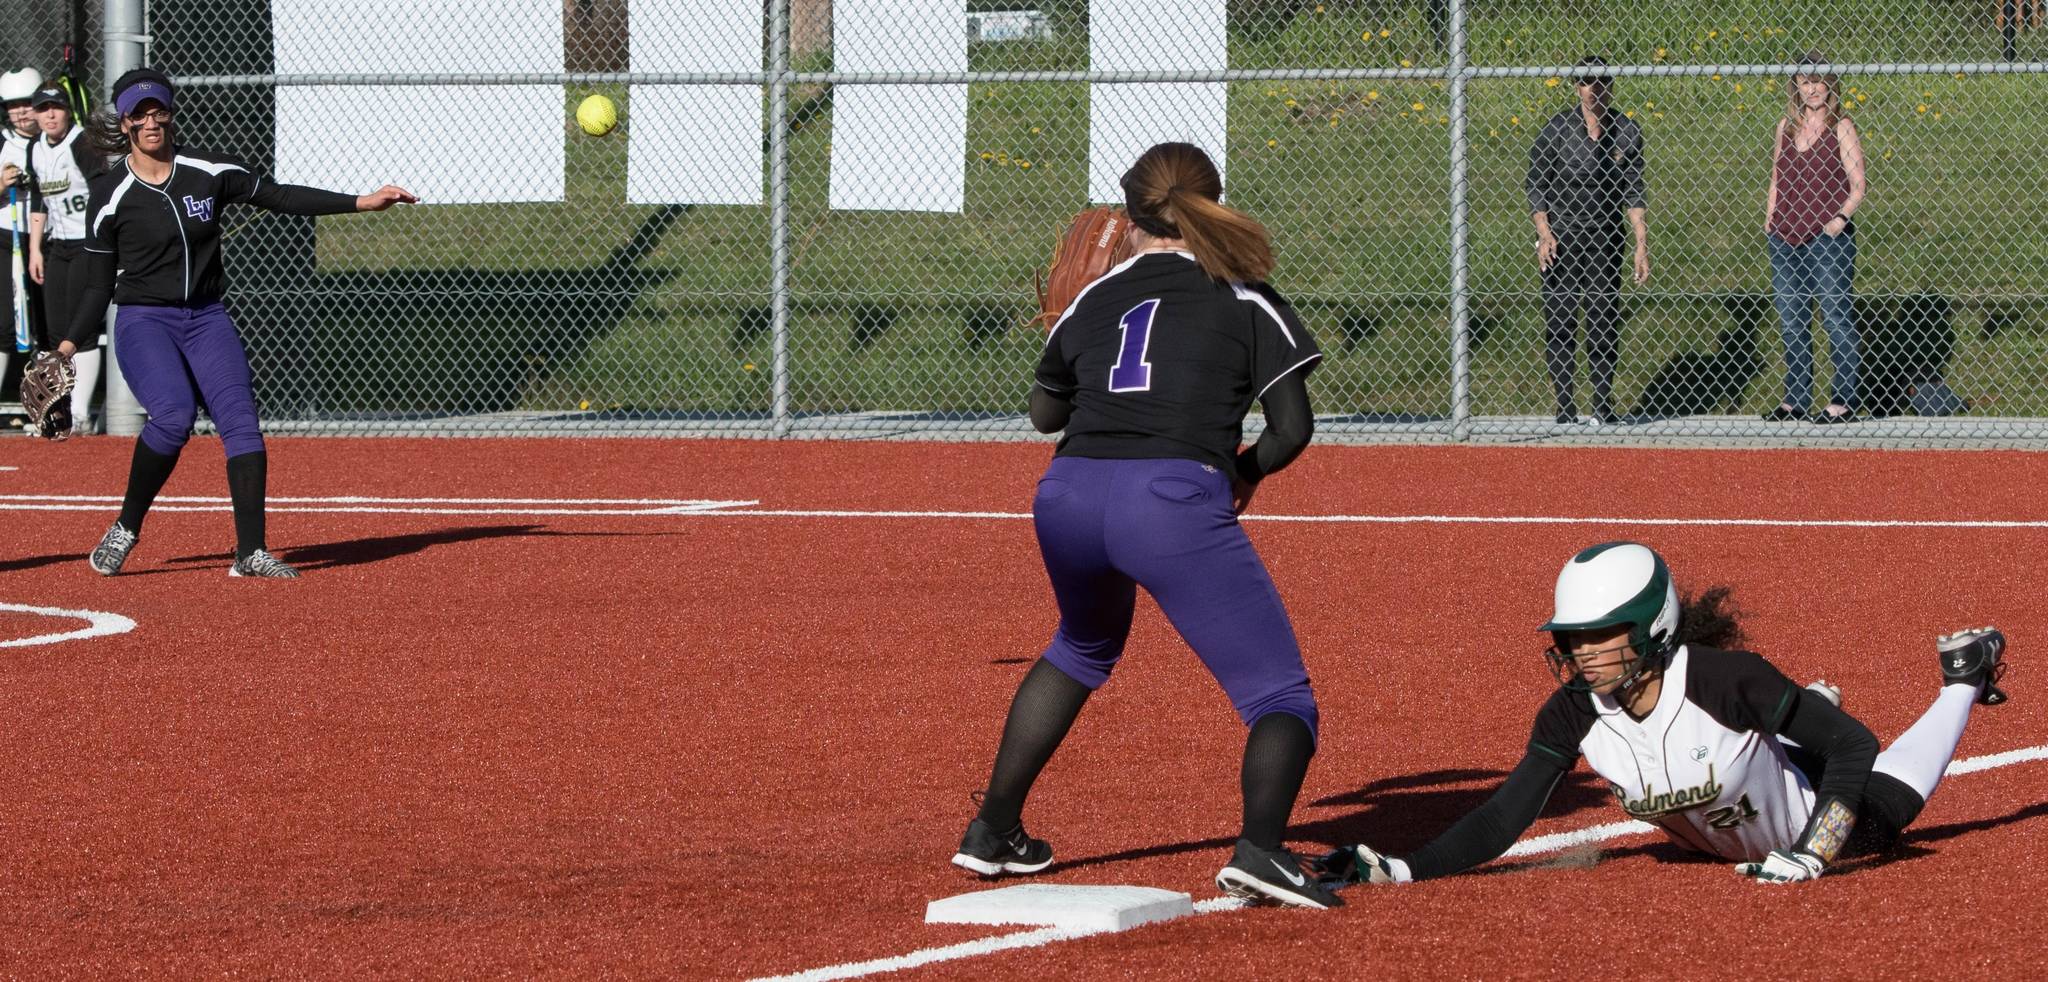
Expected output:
{"points": [[1296, 700], [1088, 664], [167, 434]]}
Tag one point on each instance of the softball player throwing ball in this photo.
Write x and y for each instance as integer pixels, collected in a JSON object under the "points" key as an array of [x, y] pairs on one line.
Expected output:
{"points": [[1150, 372], [154, 217], [1725, 755]]}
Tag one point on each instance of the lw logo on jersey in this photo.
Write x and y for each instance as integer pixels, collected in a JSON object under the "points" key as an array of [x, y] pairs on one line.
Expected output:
{"points": [[200, 208], [1654, 803]]}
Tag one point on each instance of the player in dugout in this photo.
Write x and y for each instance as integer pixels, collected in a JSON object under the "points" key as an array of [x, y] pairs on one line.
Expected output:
{"points": [[1725, 755], [153, 246]]}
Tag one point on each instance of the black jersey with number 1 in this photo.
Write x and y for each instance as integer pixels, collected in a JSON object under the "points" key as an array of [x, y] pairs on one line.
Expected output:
{"points": [[1163, 361]]}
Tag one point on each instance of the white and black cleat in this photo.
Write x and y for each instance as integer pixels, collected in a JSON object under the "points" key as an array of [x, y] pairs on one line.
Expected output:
{"points": [[985, 851], [1974, 656], [108, 557], [1272, 876], [262, 564]]}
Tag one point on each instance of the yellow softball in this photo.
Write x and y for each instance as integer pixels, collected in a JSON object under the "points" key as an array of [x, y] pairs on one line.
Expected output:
{"points": [[597, 115]]}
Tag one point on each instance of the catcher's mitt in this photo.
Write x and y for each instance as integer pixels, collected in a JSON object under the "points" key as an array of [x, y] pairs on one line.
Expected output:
{"points": [[46, 394], [1094, 242]]}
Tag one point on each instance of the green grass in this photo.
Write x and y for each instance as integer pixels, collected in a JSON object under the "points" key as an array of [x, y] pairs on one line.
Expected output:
{"points": [[1350, 176]]}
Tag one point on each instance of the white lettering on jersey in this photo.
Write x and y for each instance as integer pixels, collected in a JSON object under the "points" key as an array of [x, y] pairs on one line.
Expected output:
{"points": [[1739, 800]]}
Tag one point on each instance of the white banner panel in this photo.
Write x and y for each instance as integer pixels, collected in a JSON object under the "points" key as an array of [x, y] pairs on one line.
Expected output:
{"points": [[356, 138], [899, 147], [695, 144], [460, 144], [1124, 118], [368, 36]]}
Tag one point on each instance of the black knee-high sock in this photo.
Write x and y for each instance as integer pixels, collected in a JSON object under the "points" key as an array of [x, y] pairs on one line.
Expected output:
{"points": [[1044, 709], [147, 472], [246, 476], [1276, 756]]}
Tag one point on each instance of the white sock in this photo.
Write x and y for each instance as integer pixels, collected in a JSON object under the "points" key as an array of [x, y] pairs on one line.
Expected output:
{"points": [[1921, 754], [88, 365]]}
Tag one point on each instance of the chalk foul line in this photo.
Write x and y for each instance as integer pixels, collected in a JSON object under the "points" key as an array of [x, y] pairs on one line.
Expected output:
{"points": [[745, 508]]}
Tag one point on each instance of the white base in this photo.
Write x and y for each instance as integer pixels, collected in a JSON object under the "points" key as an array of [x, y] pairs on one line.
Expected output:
{"points": [[1071, 908]]}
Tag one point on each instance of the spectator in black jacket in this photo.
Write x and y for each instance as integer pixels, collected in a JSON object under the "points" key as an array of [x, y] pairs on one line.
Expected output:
{"points": [[1585, 175]]}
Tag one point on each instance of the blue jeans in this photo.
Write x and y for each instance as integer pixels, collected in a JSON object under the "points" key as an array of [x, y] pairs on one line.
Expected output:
{"points": [[1822, 270]]}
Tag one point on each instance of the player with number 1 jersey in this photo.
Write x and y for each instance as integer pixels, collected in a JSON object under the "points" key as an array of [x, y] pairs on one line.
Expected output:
{"points": [[1150, 372]]}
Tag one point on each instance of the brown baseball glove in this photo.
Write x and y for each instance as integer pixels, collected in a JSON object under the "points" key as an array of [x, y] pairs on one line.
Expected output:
{"points": [[46, 394], [1094, 242]]}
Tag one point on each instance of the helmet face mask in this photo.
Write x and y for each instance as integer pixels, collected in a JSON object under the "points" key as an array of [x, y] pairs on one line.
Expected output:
{"points": [[1609, 586], [1572, 673]]}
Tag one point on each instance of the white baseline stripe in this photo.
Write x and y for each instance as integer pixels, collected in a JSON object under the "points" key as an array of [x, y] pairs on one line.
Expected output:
{"points": [[1527, 847], [724, 508], [388, 510], [357, 500]]}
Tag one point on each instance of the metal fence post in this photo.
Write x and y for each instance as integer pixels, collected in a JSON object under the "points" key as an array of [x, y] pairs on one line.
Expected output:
{"points": [[123, 32], [1461, 348], [778, 206]]}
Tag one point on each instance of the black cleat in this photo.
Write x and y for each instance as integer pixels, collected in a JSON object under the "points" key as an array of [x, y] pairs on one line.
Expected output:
{"points": [[1974, 656], [1272, 876], [989, 853]]}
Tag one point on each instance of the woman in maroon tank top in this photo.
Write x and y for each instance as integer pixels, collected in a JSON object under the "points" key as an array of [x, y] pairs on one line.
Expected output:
{"points": [[1817, 183]]}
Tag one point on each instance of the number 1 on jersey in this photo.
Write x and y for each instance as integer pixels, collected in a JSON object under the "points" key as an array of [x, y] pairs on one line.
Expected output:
{"points": [[1132, 373]]}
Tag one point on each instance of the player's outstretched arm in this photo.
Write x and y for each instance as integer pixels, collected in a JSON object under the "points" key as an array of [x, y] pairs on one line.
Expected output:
{"points": [[385, 197], [1480, 837]]}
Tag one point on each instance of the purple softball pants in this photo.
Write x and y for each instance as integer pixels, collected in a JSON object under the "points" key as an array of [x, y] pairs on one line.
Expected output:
{"points": [[172, 357], [1107, 527]]}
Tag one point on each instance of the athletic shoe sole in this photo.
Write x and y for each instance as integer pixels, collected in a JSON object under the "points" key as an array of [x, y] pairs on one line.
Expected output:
{"points": [[1244, 886], [985, 867]]}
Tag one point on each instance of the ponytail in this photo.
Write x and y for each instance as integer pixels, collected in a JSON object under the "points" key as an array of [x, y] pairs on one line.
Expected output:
{"points": [[103, 132], [1172, 192], [1710, 620]]}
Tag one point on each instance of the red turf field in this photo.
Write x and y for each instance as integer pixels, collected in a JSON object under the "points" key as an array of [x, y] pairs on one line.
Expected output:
{"points": [[580, 739]]}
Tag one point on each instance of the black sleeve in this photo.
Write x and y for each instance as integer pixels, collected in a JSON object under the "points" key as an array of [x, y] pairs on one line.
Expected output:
{"points": [[1537, 183], [1848, 750], [1740, 689], [96, 271], [1487, 831], [1632, 194], [1050, 412], [1290, 424], [1055, 373], [239, 184], [1281, 343]]}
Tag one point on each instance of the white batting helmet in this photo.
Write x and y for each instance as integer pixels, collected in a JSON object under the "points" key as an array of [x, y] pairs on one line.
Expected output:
{"points": [[20, 84]]}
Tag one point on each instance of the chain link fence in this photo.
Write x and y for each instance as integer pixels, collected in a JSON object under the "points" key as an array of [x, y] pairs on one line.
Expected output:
{"points": [[903, 166]]}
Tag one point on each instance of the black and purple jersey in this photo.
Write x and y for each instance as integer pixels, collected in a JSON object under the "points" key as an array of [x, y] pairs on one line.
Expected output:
{"points": [[1162, 361], [165, 239]]}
